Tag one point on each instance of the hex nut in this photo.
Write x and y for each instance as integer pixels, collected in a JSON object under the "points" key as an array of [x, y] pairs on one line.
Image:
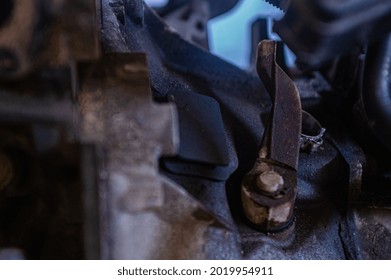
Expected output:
{"points": [[264, 210]]}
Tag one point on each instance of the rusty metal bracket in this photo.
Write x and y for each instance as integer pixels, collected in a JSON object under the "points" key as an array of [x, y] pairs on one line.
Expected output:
{"points": [[269, 189]]}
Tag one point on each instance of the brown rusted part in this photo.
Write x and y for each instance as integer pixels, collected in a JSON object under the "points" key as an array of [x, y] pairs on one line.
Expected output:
{"points": [[269, 212], [281, 141], [273, 211]]}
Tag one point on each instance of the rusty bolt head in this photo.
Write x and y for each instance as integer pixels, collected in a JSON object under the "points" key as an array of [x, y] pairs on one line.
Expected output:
{"points": [[269, 181], [265, 207]]}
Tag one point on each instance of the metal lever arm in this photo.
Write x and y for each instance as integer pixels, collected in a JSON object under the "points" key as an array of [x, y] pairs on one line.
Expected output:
{"points": [[269, 189]]}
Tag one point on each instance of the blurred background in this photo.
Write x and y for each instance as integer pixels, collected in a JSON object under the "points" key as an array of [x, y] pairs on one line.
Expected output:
{"points": [[230, 33]]}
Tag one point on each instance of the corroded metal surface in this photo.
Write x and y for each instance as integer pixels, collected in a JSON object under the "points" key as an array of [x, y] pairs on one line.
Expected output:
{"points": [[281, 141], [372, 227], [93, 147], [272, 210], [147, 216]]}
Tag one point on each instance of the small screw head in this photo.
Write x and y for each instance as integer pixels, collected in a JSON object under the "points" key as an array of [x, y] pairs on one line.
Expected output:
{"points": [[269, 181]]}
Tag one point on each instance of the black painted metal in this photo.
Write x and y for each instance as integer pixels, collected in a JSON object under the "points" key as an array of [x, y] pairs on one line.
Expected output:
{"points": [[321, 30]]}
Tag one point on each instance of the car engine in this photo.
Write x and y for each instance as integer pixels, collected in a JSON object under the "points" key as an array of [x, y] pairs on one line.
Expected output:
{"points": [[124, 137]]}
